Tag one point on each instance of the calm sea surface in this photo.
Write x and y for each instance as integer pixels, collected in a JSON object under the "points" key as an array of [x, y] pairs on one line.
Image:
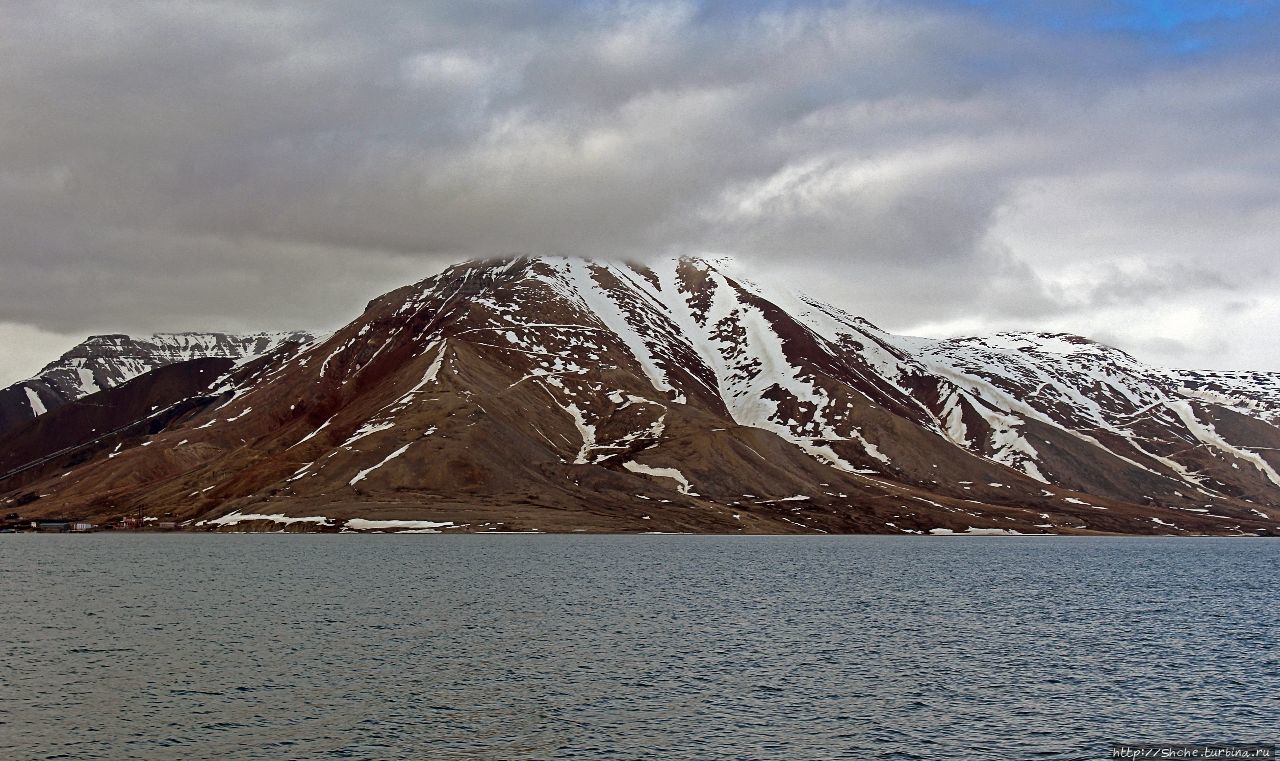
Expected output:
{"points": [[640, 647]]}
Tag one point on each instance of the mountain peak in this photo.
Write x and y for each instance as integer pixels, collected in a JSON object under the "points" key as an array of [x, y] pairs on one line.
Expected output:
{"points": [[108, 360], [568, 393]]}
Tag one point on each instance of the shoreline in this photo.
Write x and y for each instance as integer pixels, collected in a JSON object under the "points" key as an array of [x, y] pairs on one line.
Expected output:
{"points": [[537, 532]]}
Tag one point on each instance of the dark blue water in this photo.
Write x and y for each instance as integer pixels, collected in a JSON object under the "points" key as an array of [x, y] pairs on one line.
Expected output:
{"points": [[642, 647]]}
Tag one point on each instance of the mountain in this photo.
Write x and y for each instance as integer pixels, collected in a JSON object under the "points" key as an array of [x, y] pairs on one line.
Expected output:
{"points": [[573, 395], [103, 362], [1254, 393]]}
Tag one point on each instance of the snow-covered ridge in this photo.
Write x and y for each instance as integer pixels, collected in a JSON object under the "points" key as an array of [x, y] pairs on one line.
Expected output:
{"points": [[804, 369], [106, 361], [1254, 393], [1150, 418], [548, 382], [991, 391]]}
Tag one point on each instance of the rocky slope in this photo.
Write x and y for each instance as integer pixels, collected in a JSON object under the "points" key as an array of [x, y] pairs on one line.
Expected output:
{"points": [[103, 362], [567, 395]]}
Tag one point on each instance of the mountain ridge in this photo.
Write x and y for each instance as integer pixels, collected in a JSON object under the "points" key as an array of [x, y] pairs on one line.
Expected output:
{"points": [[563, 394], [108, 360]]}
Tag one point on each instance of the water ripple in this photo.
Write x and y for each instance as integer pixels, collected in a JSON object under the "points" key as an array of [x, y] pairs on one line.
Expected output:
{"points": [[655, 647]]}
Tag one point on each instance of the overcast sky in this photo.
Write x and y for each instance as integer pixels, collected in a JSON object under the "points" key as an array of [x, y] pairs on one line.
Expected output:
{"points": [[941, 167]]}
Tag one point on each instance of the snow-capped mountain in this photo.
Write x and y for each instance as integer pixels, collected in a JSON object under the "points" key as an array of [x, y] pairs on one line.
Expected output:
{"points": [[103, 362], [1253, 393], [565, 394], [1151, 420]]}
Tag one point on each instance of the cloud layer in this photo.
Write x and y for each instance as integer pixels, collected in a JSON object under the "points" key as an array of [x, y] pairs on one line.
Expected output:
{"points": [[937, 167]]}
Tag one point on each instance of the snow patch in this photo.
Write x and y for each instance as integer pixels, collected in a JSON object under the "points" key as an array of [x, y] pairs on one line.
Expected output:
{"points": [[672, 473], [368, 429], [971, 531], [232, 519], [363, 524], [37, 406], [362, 474]]}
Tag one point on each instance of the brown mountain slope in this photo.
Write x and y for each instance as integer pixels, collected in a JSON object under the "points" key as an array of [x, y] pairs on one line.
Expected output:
{"points": [[566, 395]]}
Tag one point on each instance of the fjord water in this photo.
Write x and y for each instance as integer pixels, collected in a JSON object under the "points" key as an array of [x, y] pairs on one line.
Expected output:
{"points": [[631, 647]]}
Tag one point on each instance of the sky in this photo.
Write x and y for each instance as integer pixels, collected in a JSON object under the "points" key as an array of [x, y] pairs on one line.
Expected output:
{"points": [[940, 167]]}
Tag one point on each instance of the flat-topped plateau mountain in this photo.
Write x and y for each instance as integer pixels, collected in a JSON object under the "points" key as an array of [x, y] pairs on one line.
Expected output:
{"points": [[569, 395]]}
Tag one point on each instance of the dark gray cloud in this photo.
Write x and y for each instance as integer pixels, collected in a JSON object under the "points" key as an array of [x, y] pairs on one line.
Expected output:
{"points": [[257, 165]]}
